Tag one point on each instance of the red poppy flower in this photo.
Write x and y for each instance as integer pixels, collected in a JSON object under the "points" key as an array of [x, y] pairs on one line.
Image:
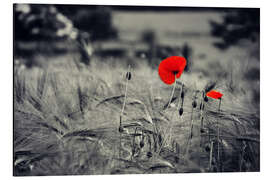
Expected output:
{"points": [[170, 68], [214, 94]]}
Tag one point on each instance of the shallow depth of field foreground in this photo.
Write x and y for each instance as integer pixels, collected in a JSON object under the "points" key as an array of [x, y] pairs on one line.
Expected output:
{"points": [[116, 116]]}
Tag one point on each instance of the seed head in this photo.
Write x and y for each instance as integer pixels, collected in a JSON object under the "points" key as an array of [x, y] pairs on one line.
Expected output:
{"points": [[194, 104], [133, 151], [128, 75], [209, 86], [176, 159], [181, 110], [142, 144], [159, 138], [207, 147], [182, 94], [149, 154], [201, 106], [202, 130], [121, 129]]}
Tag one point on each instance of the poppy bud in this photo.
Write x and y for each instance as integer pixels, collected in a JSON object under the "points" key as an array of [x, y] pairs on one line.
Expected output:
{"points": [[121, 129], [176, 159], [201, 106], [128, 75], [207, 147], [142, 144], [149, 154], [194, 104], [202, 130], [206, 99], [181, 110], [133, 151], [182, 94], [159, 138]]}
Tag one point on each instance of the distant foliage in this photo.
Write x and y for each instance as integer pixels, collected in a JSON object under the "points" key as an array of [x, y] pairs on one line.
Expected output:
{"points": [[48, 22], [86, 50], [151, 39], [41, 22], [97, 21], [149, 36], [237, 25], [187, 53]]}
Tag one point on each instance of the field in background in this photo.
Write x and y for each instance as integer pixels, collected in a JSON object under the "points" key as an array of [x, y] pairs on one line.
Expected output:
{"points": [[176, 29], [66, 114]]}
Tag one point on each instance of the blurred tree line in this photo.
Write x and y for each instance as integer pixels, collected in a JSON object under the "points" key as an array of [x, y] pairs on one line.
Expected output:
{"points": [[54, 22], [237, 24]]}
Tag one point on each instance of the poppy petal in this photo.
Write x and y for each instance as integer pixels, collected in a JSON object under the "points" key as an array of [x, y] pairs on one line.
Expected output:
{"points": [[166, 76], [170, 68], [214, 94]]}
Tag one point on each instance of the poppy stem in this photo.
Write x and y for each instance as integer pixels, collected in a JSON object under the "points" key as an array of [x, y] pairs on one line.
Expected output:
{"points": [[174, 85], [133, 144], [125, 97], [219, 104], [201, 125], [202, 109], [191, 127], [122, 111], [120, 145], [180, 102], [218, 135], [211, 155], [201, 117], [170, 126], [178, 106], [190, 135]]}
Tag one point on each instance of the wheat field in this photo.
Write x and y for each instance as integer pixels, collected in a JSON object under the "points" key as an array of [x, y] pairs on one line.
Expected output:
{"points": [[67, 121]]}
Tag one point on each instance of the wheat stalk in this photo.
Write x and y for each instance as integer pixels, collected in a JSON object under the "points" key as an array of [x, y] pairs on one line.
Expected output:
{"points": [[125, 96], [211, 156], [121, 129], [168, 135]]}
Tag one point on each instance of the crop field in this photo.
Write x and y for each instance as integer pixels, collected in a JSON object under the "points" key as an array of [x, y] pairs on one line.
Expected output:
{"points": [[116, 118]]}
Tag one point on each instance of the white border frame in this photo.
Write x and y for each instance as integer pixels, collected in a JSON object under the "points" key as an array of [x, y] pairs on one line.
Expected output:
{"points": [[7, 84]]}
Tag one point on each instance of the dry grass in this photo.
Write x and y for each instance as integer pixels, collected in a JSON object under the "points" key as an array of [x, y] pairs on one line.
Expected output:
{"points": [[66, 120]]}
